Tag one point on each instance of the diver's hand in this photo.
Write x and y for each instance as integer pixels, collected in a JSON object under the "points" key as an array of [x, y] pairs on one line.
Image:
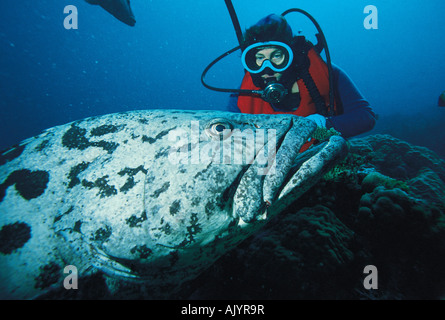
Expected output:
{"points": [[318, 119]]}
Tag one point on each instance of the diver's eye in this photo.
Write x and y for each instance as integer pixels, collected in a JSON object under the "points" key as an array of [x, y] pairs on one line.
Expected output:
{"points": [[219, 128], [260, 59], [278, 57]]}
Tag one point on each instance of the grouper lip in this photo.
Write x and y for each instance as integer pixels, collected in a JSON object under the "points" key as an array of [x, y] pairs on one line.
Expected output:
{"points": [[254, 192], [229, 193], [249, 188]]}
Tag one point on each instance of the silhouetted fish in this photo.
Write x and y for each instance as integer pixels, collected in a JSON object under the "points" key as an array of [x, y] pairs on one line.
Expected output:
{"points": [[120, 9]]}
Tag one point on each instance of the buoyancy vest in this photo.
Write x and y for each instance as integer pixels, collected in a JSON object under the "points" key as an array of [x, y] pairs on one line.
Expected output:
{"points": [[318, 70], [319, 73]]}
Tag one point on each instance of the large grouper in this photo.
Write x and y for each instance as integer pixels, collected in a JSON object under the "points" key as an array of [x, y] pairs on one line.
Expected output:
{"points": [[152, 197]]}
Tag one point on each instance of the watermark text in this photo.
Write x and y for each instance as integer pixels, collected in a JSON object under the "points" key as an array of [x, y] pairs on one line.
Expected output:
{"points": [[71, 20]]}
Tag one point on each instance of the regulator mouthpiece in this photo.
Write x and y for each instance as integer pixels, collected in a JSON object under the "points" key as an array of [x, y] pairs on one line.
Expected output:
{"points": [[274, 92]]}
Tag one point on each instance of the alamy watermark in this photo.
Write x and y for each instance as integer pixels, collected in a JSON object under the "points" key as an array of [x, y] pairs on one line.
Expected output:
{"points": [[218, 144], [371, 280], [371, 20], [71, 20], [70, 281]]}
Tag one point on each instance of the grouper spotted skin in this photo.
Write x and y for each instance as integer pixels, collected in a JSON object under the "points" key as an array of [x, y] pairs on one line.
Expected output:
{"points": [[146, 196]]}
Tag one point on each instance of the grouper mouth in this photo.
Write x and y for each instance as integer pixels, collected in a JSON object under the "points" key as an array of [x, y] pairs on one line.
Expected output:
{"points": [[254, 192]]}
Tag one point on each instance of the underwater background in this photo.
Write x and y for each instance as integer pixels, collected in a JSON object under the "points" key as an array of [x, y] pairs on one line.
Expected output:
{"points": [[384, 205], [50, 76]]}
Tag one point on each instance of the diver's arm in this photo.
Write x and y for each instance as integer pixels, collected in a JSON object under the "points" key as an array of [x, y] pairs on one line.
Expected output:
{"points": [[357, 116]]}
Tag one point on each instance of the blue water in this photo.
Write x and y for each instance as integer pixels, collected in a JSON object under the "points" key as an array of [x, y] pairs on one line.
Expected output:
{"points": [[51, 76]]}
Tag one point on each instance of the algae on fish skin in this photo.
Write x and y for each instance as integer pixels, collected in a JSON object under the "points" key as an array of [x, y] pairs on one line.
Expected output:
{"points": [[341, 169], [324, 134]]}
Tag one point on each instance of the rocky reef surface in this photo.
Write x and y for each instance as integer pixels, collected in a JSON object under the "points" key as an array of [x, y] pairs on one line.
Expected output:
{"points": [[383, 206]]}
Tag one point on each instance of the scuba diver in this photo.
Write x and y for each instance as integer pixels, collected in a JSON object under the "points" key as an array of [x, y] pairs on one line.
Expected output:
{"points": [[286, 74], [273, 54]]}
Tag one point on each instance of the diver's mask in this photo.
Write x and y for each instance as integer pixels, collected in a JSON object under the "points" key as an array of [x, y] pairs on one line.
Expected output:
{"points": [[275, 55], [278, 59], [266, 58]]}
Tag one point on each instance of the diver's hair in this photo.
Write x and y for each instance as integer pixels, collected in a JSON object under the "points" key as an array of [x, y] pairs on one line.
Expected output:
{"points": [[271, 30]]}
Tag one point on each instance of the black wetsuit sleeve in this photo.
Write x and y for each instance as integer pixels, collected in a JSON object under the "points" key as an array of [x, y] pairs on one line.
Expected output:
{"points": [[357, 116]]}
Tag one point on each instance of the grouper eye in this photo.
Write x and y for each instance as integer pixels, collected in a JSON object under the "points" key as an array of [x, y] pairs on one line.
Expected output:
{"points": [[219, 128]]}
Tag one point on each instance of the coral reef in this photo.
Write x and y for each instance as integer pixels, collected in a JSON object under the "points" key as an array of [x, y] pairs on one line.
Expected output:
{"points": [[383, 206], [375, 179], [282, 261]]}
